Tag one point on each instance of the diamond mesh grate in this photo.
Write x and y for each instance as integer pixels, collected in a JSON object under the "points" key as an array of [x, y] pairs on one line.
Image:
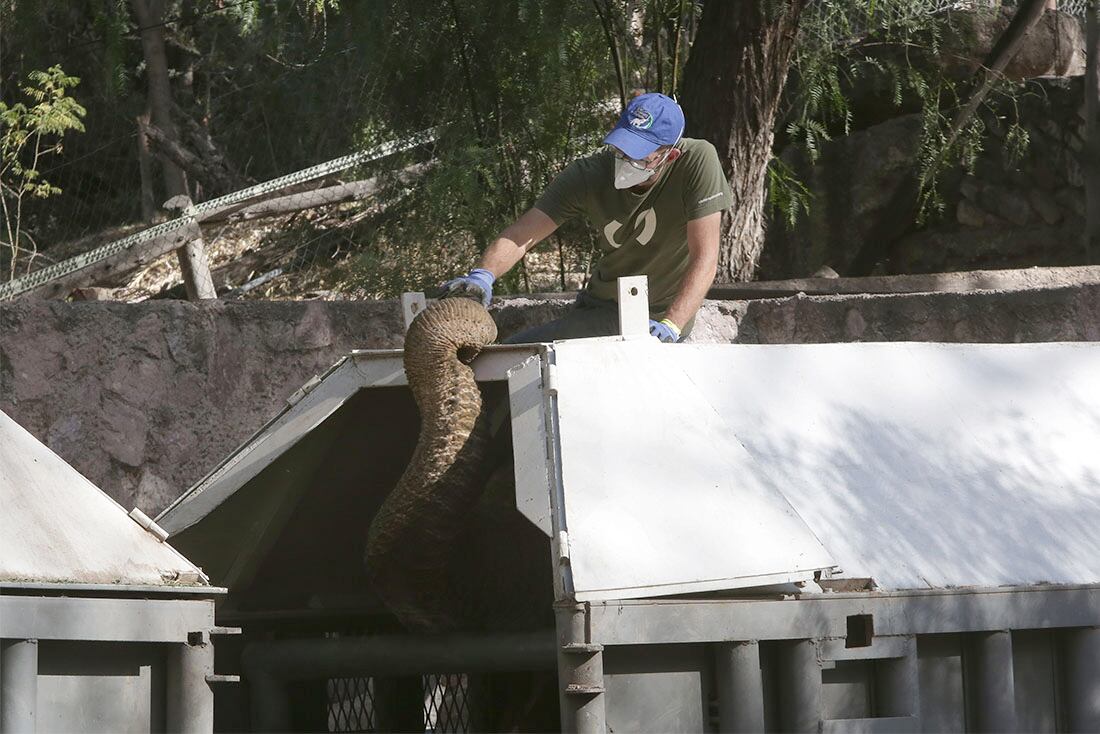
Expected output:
{"points": [[350, 704], [446, 703]]}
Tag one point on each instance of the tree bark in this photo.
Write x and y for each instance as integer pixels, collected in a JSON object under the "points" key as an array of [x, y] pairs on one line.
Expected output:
{"points": [[1092, 133], [145, 169], [150, 17], [731, 88], [607, 20]]}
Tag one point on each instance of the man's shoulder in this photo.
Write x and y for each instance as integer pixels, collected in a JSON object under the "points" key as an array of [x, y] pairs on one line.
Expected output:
{"points": [[699, 149], [585, 167]]}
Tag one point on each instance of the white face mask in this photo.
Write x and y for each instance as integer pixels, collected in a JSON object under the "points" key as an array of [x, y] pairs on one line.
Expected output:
{"points": [[627, 175]]}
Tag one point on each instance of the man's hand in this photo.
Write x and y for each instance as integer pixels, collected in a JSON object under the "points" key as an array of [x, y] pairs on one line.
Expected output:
{"points": [[477, 284], [664, 330]]}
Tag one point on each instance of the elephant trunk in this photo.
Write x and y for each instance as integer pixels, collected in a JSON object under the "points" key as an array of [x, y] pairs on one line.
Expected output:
{"points": [[414, 536]]}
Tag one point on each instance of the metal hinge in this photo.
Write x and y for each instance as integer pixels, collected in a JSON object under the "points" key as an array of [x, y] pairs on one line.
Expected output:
{"points": [[147, 522], [304, 390], [552, 379], [563, 547]]}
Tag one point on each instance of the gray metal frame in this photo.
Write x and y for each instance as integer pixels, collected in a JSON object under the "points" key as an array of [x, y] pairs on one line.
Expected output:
{"points": [[185, 625], [812, 629]]}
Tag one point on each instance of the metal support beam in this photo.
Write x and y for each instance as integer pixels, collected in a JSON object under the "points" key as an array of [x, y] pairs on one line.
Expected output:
{"points": [[1081, 656], [270, 703], [348, 657], [992, 682], [580, 674], [18, 685], [190, 701], [740, 687], [800, 689], [898, 692]]}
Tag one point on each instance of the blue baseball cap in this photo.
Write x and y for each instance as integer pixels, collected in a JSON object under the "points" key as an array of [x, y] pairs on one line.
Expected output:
{"points": [[648, 122]]}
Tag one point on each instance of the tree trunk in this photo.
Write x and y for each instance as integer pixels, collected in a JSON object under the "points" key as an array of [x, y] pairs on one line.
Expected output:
{"points": [[732, 84], [1092, 133], [150, 16], [145, 169]]}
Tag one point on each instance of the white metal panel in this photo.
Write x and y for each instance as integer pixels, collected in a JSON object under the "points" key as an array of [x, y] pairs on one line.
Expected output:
{"points": [[308, 408], [660, 496], [529, 447], [56, 526], [925, 465]]}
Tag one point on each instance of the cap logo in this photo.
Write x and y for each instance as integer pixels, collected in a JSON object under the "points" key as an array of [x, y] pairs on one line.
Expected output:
{"points": [[641, 119]]}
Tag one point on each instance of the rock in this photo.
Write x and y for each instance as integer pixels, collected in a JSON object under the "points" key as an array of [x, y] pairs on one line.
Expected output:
{"points": [[1075, 172], [825, 272], [1045, 205], [1055, 47], [1043, 175], [124, 430], [1052, 129], [1008, 204], [94, 294], [970, 187], [969, 215], [854, 325], [1071, 199]]}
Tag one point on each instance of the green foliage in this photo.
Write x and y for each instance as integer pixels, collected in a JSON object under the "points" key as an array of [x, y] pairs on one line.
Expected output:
{"points": [[521, 89], [889, 46], [787, 195], [29, 132]]}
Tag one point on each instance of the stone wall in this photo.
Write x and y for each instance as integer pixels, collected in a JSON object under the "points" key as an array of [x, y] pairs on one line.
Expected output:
{"points": [[1008, 213], [146, 399]]}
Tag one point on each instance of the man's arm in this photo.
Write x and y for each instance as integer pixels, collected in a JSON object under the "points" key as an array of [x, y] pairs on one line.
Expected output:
{"points": [[702, 238], [514, 242]]}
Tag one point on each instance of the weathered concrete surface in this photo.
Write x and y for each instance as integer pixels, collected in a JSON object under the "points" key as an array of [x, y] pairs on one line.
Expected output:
{"points": [[972, 280], [145, 399]]}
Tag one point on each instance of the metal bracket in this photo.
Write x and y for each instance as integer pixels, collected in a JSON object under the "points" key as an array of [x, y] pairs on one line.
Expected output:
{"points": [[412, 303], [634, 306], [218, 678]]}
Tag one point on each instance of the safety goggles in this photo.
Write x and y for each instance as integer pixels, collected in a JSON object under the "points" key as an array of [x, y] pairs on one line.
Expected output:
{"points": [[642, 165]]}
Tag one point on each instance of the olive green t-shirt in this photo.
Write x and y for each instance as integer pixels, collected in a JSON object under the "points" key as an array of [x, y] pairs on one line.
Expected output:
{"points": [[640, 234]]}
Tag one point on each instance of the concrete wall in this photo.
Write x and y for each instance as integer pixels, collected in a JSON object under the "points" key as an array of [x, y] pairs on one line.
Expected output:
{"points": [[145, 399]]}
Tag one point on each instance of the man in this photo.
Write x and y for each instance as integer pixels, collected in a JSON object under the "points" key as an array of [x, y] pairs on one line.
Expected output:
{"points": [[657, 200]]}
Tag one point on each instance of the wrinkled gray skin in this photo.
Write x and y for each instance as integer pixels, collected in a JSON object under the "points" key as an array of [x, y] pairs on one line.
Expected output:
{"points": [[439, 557], [411, 539]]}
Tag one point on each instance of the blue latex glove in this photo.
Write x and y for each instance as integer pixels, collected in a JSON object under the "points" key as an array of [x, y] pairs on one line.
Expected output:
{"points": [[664, 330], [477, 284]]}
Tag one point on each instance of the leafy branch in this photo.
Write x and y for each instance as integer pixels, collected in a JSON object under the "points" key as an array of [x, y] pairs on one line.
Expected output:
{"points": [[30, 131]]}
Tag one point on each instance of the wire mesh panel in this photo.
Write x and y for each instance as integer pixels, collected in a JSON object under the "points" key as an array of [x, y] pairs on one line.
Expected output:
{"points": [[446, 703], [350, 705], [1074, 7]]}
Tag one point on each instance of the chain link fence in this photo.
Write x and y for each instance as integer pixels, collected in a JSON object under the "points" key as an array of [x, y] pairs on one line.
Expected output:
{"points": [[271, 239], [1078, 8], [353, 705]]}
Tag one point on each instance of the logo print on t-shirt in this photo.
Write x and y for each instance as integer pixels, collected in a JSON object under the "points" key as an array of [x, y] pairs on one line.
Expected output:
{"points": [[649, 226]]}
